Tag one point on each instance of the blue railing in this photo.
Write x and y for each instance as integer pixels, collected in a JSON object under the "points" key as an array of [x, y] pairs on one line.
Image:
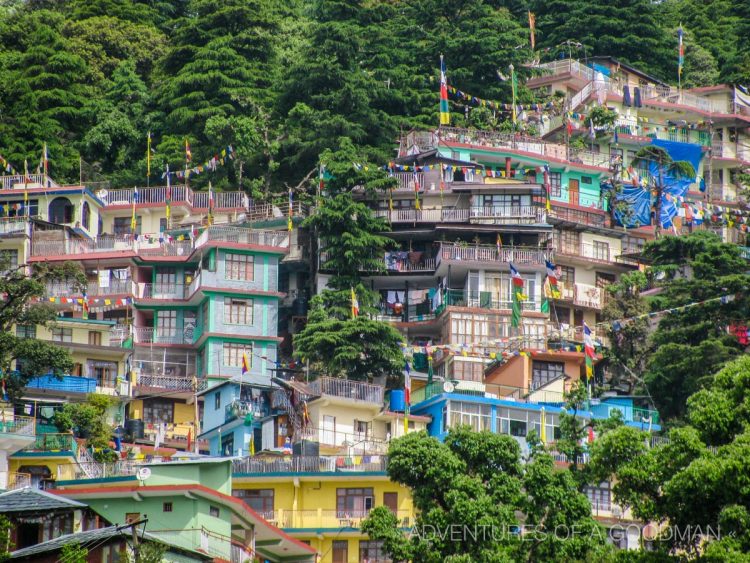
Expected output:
{"points": [[67, 383]]}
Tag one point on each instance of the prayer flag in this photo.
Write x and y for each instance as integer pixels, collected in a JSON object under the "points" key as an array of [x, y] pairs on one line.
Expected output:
{"points": [[245, 364], [355, 305], [532, 28], [552, 278], [516, 296], [680, 51], [445, 116]]}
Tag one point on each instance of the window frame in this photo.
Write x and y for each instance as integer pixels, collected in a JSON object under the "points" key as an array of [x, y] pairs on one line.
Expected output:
{"points": [[239, 267], [238, 311]]}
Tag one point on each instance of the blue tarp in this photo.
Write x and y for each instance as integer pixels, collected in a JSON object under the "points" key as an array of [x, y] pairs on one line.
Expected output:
{"points": [[639, 200]]}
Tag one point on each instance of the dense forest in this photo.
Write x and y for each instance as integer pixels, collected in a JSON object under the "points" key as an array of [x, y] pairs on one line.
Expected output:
{"points": [[283, 81]]}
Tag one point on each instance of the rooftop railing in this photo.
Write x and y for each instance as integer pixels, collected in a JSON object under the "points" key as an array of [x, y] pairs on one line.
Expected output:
{"points": [[318, 518], [310, 464], [487, 253], [174, 383], [20, 425], [353, 390], [18, 480], [18, 181], [178, 194]]}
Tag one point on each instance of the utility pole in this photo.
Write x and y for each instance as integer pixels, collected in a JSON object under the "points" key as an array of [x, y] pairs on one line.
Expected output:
{"points": [[196, 415]]}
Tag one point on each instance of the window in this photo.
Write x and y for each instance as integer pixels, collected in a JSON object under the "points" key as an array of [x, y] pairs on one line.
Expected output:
{"points": [[217, 401], [227, 445], [166, 325], [95, 338], [105, 373], [384, 205], [361, 428], [233, 354], [157, 411], [8, 261], [260, 500], [632, 244], [121, 225], [587, 179], [601, 250], [353, 503], [165, 280], [162, 224], [476, 415], [214, 511], [517, 428], [62, 334], [239, 267], [570, 242], [238, 311], [390, 501], [544, 372], [60, 210], [567, 275], [600, 497], [26, 331], [340, 551], [85, 215], [166, 507], [372, 551], [555, 183], [603, 279]]}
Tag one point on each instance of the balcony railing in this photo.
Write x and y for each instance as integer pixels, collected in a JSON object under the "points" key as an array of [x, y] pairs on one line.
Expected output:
{"points": [[268, 212], [65, 383], [398, 261], [151, 335], [162, 291], [353, 390], [18, 181], [595, 253], [590, 296], [15, 226], [126, 245], [482, 300], [508, 214], [240, 409], [594, 218], [96, 470], [328, 518], [310, 464], [20, 425], [407, 180], [179, 194], [174, 383], [484, 253], [58, 442], [516, 394], [357, 442], [445, 215], [18, 480], [93, 289]]}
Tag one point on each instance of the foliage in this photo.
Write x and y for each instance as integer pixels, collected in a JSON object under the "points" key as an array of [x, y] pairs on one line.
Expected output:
{"points": [[89, 421], [602, 116], [5, 544], [476, 485], [74, 553], [22, 306], [148, 552]]}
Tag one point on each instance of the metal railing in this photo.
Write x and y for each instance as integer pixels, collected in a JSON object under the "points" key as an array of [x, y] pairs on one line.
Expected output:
{"points": [[329, 518], [15, 225], [69, 289], [487, 253], [392, 262], [354, 390], [269, 212], [178, 194], [18, 181], [358, 442], [496, 391], [175, 383], [443, 215], [162, 291], [596, 253], [21, 425], [96, 470], [482, 300], [594, 218], [151, 335], [52, 442], [18, 480], [406, 180], [310, 464], [509, 214]]}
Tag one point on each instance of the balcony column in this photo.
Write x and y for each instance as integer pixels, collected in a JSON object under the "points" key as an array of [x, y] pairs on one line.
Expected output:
{"points": [[3, 469], [507, 167], [406, 303]]}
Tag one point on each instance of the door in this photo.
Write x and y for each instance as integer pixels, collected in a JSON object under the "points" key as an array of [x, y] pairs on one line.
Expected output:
{"points": [[578, 322], [340, 551], [573, 192], [390, 501], [328, 431]]}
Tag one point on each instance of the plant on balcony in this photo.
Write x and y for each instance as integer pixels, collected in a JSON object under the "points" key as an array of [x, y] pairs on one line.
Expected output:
{"points": [[603, 117], [24, 304], [477, 481], [88, 421]]}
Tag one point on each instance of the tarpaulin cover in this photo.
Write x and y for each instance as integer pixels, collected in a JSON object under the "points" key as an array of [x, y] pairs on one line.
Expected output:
{"points": [[638, 198]]}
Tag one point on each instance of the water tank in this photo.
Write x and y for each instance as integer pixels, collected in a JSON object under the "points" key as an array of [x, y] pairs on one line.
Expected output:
{"points": [[398, 401], [306, 448], [134, 428]]}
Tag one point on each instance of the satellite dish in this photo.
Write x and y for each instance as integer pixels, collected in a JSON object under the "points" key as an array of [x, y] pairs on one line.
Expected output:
{"points": [[143, 473], [448, 387]]}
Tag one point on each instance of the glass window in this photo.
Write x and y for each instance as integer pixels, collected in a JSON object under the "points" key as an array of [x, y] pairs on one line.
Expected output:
{"points": [[238, 311], [166, 324], [517, 428], [600, 497], [239, 267], [158, 411], [544, 372], [354, 503], [8, 261], [62, 334], [260, 500], [233, 354], [214, 511], [555, 182], [121, 225], [105, 373], [26, 331], [567, 274], [372, 552], [601, 250], [476, 415], [217, 401]]}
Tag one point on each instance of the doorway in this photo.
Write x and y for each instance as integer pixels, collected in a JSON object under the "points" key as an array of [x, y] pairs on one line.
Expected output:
{"points": [[573, 192]]}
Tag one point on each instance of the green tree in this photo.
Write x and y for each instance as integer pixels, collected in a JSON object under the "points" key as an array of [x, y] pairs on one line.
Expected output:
{"points": [[74, 553], [89, 421], [6, 545], [476, 485], [23, 306]]}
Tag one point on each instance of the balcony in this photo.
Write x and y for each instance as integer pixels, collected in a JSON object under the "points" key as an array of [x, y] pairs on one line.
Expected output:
{"points": [[407, 181], [444, 215], [495, 391], [96, 470], [93, 289], [329, 519], [309, 464], [53, 442], [240, 409], [451, 252], [126, 246], [18, 481], [64, 384], [18, 425], [603, 253], [169, 291], [346, 389], [589, 296], [592, 218], [179, 194], [151, 335], [508, 215], [19, 181], [481, 300], [174, 383], [397, 261], [15, 226], [359, 443]]}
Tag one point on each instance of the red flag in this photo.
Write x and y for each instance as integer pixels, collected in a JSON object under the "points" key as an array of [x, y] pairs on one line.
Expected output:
{"points": [[189, 439]]}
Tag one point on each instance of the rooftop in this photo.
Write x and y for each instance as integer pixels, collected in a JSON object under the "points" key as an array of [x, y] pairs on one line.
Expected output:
{"points": [[34, 500]]}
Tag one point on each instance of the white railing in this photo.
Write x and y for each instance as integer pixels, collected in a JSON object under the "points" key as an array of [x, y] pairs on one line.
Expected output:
{"points": [[267, 211], [581, 96], [21, 425], [162, 291], [479, 253], [18, 480], [15, 225], [151, 335], [517, 213], [68, 289], [354, 442], [19, 181], [568, 65], [318, 518], [310, 464], [96, 470], [406, 180], [354, 390], [179, 193], [165, 382], [424, 215]]}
